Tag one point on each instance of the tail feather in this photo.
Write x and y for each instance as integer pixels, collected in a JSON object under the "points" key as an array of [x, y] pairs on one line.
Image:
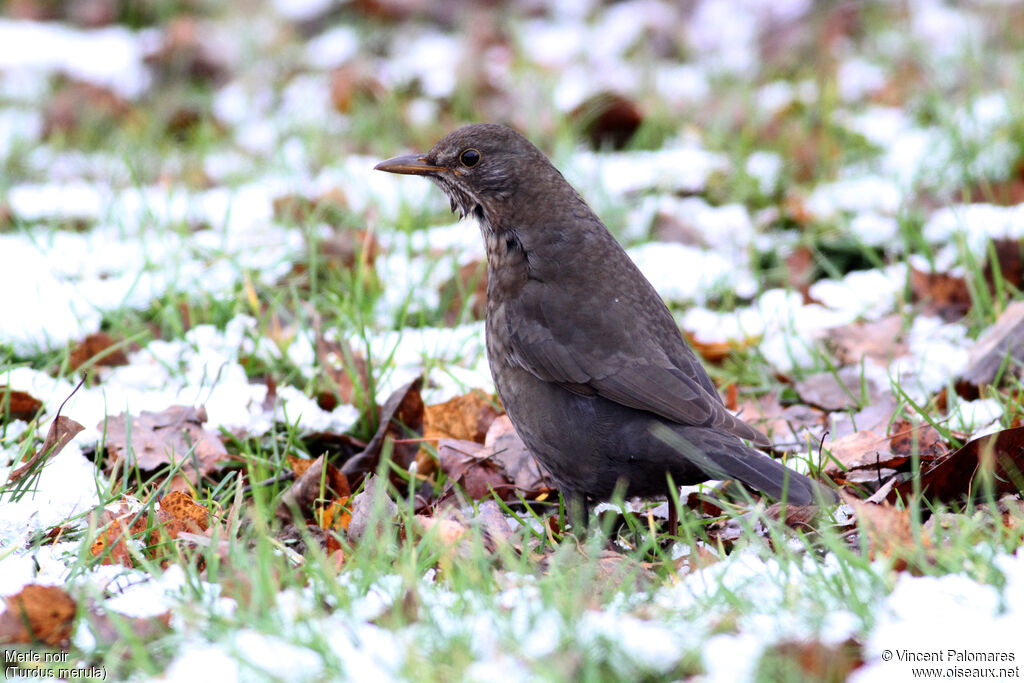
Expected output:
{"points": [[723, 456]]}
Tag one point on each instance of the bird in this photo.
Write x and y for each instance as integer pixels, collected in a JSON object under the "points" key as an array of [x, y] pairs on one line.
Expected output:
{"points": [[586, 357]]}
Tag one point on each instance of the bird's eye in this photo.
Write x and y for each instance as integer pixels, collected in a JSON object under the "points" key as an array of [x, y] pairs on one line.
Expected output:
{"points": [[469, 157]]}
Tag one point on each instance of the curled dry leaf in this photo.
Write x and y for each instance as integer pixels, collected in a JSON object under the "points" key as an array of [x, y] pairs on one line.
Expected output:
{"points": [[999, 456], [37, 613], [473, 467], [183, 514], [62, 430], [316, 493], [860, 450], [401, 424], [526, 473], [907, 438]]}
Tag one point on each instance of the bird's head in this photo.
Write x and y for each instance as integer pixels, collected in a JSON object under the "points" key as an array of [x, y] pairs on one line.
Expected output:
{"points": [[479, 167]]}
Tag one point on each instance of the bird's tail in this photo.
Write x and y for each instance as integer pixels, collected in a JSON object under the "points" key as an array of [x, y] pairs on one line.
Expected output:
{"points": [[723, 456]]}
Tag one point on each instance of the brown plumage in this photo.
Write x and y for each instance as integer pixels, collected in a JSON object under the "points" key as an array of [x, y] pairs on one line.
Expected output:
{"points": [[586, 357]]}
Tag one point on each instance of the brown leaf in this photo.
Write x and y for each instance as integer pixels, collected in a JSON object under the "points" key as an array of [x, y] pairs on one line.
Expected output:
{"points": [[1002, 343], [877, 340], [954, 477], [670, 227], [607, 119], [185, 54], [62, 430], [863, 449], [1009, 262], [797, 516], [810, 661], [467, 417], [495, 527], [180, 506], [165, 438], [449, 531], [906, 438], [38, 614], [526, 474], [99, 346], [786, 426], [400, 418], [801, 270], [20, 405], [716, 351], [874, 417], [372, 510], [886, 531], [117, 524], [463, 417], [836, 391], [473, 467], [312, 488], [943, 295]]}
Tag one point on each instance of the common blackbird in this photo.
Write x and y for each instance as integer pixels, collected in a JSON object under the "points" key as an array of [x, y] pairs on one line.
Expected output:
{"points": [[586, 357]]}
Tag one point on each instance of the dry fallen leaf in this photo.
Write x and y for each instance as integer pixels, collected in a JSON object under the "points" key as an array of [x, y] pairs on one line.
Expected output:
{"points": [[20, 405], [887, 531], [842, 390], [941, 294], [172, 436], [526, 473], [38, 614], [860, 450], [607, 119], [99, 346], [313, 494], [877, 340], [788, 427], [955, 476], [401, 425], [117, 525], [1002, 343], [62, 430]]}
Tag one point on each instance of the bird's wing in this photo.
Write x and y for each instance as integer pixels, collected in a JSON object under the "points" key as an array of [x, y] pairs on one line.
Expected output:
{"points": [[645, 365]]}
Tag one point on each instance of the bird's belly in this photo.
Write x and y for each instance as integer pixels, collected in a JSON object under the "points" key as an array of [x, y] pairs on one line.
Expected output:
{"points": [[589, 444]]}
